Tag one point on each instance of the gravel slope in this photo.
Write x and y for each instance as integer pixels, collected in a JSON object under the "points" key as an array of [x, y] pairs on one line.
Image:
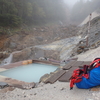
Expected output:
{"points": [[56, 91], [89, 55]]}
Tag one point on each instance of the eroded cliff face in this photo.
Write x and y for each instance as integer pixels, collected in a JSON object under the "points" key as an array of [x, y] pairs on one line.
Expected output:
{"points": [[44, 36], [22, 39], [58, 51], [93, 40]]}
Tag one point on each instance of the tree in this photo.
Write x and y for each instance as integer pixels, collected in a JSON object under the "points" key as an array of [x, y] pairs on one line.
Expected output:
{"points": [[31, 11]]}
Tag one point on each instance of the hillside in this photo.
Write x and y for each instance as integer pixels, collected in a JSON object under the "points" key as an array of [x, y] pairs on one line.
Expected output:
{"points": [[28, 37], [33, 44]]}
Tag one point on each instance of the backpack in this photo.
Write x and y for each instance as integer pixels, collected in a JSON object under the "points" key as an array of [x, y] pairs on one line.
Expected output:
{"points": [[86, 77]]}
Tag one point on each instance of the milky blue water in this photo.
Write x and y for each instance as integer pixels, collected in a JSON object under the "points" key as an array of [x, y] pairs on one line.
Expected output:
{"points": [[29, 73]]}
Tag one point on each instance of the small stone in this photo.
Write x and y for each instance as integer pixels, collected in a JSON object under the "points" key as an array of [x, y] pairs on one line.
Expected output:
{"points": [[62, 89], [23, 92], [35, 93]]}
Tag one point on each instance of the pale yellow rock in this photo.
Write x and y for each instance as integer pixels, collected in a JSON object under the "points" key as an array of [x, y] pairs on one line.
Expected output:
{"points": [[25, 62], [29, 61]]}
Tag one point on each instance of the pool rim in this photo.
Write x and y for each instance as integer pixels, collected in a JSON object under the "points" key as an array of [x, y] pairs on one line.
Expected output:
{"points": [[18, 83]]}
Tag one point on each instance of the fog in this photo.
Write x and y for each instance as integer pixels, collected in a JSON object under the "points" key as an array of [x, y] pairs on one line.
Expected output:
{"points": [[40, 12], [70, 2], [78, 10]]}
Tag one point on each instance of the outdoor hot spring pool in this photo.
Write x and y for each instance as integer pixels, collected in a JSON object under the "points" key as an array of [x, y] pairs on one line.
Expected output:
{"points": [[29, 73]]}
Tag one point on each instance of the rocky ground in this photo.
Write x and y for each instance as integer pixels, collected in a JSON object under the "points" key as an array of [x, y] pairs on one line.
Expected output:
{"points": [[56, 91]]}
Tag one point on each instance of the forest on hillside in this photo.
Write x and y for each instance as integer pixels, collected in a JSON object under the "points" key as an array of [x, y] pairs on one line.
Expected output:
{"points": [[13, 13]]}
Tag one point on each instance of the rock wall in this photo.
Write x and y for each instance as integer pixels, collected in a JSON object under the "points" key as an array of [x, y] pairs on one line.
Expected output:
{"points": [[32, 53], [93, 36]]}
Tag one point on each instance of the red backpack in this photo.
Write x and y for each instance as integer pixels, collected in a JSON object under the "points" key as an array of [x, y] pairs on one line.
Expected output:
{"points": [[84, 72]]}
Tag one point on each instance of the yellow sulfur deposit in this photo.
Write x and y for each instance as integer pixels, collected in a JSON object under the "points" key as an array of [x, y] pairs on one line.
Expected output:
{"points": [[25, 62], [29, 61]]}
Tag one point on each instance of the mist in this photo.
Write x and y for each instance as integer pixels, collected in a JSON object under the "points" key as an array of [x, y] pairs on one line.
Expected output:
{"points": [[70, 3], [38, 12], [80, 9]]}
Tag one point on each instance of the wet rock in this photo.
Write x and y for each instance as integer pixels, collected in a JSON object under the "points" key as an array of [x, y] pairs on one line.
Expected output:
{"points": [[44, 78], [3, 84]]}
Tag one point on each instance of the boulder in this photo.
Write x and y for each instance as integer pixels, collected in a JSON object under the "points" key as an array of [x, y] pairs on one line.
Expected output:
{"points": [[3, 84], [21, 55], [44, 78]]}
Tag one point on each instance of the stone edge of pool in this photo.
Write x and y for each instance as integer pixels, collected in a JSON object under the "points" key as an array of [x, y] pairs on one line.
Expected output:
{"points": [[17, 83]]}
